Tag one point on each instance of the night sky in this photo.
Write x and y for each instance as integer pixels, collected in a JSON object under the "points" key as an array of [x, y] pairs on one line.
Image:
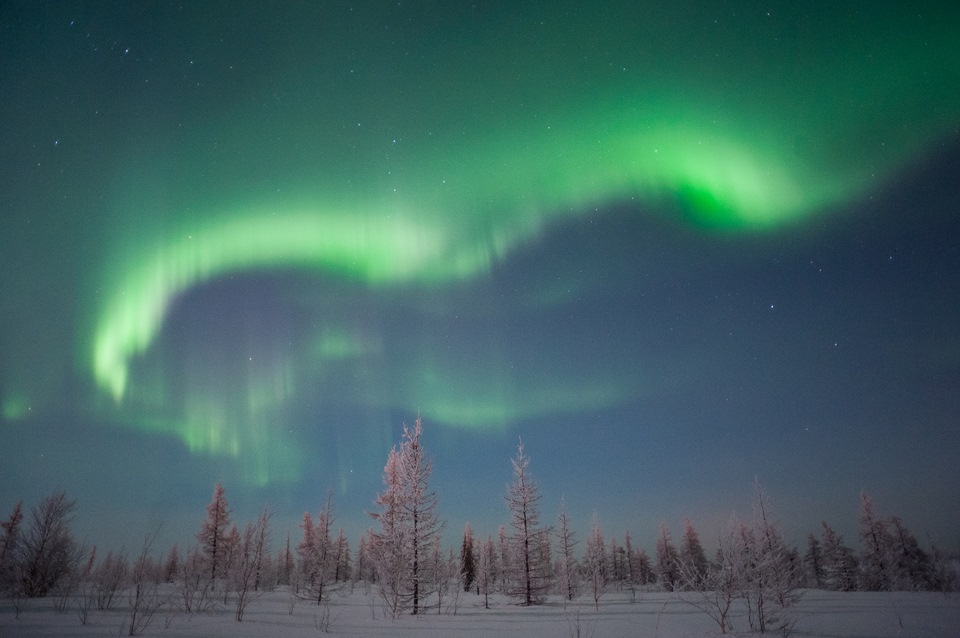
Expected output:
{"points": [[673, 246]]}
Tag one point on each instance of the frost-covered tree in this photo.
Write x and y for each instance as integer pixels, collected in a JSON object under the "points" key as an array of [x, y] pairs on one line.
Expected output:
{"points": [[9, 545], [912, 570], [774, 578], [317, 551], [530, 568], [839, 562], [566, 562], [213, 533], [342, 561], [644, 566], [47, 552], [615, 567], [668, 573], [420, 507], [692, 557], [596, 567], [409, 524], [248, 563], [170, 564], [876, 555], [285, 564], [945, 571], [363, 567], [504, 560], [108, 578], [634, 577], [813, 562], [467, 558], [194, 589], [390, 547], [486, 570], [725, 581]]}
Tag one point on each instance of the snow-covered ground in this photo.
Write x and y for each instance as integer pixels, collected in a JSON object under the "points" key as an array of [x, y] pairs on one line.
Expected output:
{"points": [[819, 614]]}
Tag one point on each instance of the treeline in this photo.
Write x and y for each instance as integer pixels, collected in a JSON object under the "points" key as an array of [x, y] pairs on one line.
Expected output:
{"points": [[401, 561]]}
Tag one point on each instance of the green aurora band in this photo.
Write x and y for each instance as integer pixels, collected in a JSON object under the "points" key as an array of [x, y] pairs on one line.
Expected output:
{"points": [[437, 209], [436, 240]]}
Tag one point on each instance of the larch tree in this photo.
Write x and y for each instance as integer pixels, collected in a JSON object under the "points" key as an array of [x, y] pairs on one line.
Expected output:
{"points": [[596, 565], [503, 562], [486, 570], [9, 543], [307, 551], [692, 557], [409, 524], [316, 550], [813, 561], [468, 558], [774, 570], [213, 533], [567, 564], [531, 566], [668, 573], [839, 562], [420, 507], [912, 568], [631, 566], [875, 540], [285, 563], [615, 569], [230, 553], [644, 568], [390, 544], [342, 562]]}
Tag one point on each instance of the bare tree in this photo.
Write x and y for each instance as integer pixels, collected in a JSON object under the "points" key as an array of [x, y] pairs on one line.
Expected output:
{"points": [[143, 598], [109, 577], [248, 563], [715, 591], [194, 589]]}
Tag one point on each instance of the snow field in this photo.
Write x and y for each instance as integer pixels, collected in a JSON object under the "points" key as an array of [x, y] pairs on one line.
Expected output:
{"points": [[820, 614]]}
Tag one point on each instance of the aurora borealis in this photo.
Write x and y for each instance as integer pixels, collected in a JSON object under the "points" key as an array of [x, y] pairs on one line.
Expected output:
{"points": [[673, 247]]}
